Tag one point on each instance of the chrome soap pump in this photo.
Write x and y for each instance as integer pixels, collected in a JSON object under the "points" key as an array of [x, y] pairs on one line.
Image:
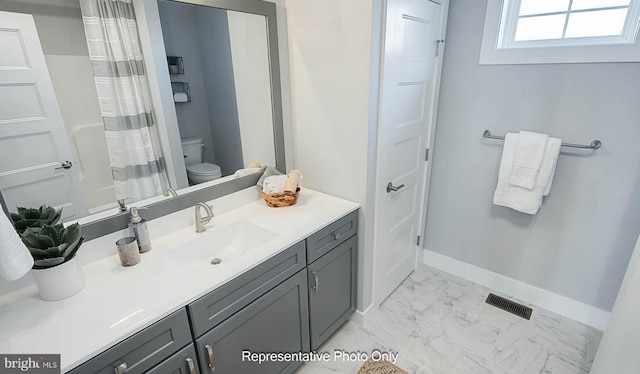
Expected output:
{"points": [[139, 227]]}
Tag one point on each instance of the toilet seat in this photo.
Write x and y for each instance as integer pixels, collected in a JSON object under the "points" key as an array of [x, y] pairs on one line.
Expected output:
{"points": [[204, 169]]}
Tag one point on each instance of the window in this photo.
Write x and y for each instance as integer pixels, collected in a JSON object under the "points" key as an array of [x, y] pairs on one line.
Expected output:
{"points": [[557, 31]]}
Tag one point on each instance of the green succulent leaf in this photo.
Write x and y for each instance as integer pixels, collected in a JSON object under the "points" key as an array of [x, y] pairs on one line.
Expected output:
{"points": [[38, 253], [54, 252], [47, 262], [51, 232], [15, 217], [45, 241], [29, 238], [71, 234], [71, 251], [32, 213]]}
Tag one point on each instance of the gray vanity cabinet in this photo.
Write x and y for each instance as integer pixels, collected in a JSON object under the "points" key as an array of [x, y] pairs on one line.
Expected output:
{"points": [[278, 322], [144, 350], [291, 303], [332, 290], [332, 256]]}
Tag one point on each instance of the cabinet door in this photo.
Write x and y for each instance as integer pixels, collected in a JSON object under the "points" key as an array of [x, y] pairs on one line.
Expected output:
{"points": [[276, 322], [332, 290], [182, 362]]}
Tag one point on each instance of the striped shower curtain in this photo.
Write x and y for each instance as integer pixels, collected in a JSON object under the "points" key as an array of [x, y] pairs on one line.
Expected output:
{"points": [[125, 100]]}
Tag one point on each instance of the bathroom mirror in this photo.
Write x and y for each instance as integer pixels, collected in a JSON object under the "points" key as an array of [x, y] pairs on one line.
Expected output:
{"points": [[73, 85]]}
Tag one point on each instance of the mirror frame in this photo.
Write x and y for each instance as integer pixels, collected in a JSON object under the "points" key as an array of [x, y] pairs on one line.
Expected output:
{"points": [[120, 221]]}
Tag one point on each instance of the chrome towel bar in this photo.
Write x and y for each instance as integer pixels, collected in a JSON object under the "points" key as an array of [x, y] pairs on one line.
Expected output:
{"points": [[594, 144]]}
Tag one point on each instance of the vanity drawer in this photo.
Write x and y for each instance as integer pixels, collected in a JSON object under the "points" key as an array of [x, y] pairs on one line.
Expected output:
{"points": [[143, 350], [218, 305], [183, 362], [329, 237]]}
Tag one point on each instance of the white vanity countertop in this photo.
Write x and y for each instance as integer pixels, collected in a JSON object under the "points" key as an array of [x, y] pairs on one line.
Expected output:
{"points": [[117, 301]]}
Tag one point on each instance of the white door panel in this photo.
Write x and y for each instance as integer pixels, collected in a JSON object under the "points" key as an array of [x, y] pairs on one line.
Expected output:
{"points": [[404, 127], [33, 141]]}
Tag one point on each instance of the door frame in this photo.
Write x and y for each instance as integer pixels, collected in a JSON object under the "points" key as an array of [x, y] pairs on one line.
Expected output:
{"points": [[367, 300]]}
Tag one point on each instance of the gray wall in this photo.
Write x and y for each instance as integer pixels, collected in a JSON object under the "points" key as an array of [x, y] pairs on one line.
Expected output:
{"points": [[181, 39], [580, 242], [217, 64]]}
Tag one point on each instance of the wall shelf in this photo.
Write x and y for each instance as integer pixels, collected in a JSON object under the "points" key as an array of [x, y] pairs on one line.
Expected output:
{"points": [[181, 92], [176, 66]]}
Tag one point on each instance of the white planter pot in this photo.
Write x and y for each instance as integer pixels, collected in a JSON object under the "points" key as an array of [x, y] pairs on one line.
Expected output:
{"points": [[59, 282]]}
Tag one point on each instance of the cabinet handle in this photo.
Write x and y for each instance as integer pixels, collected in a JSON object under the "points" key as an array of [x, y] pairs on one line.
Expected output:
{"points": [[121, 369], [315, 281], [192, 367], [212, 359], [336, 235]]}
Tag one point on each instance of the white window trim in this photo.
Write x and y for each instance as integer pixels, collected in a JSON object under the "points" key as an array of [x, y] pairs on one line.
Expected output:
{"points": [[491, 55]]}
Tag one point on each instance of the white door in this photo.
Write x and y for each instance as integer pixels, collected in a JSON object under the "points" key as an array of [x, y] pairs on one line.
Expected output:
{"points": [[36, 166], [405, 120]]}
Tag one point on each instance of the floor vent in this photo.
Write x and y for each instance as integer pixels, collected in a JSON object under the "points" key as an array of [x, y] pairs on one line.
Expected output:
{"points": [[510, 306]]}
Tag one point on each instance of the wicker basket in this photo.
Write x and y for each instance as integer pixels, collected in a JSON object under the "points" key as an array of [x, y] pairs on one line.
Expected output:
{"points": [[277, 200]]}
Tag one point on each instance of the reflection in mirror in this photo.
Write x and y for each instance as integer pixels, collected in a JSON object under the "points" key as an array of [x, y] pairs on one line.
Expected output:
{"points": [[224, 112], [230, 107]]}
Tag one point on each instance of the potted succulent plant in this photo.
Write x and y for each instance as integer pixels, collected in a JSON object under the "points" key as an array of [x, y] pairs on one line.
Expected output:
{"points": [[31, 217], [55, 269], [53, 248]]}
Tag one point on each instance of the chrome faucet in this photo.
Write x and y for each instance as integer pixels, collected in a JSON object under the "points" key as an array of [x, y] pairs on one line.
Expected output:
{"points": [[170, 191], [201, 221]]}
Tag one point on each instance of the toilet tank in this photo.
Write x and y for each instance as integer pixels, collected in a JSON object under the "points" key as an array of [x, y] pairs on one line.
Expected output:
{"points": [[192, 150]]}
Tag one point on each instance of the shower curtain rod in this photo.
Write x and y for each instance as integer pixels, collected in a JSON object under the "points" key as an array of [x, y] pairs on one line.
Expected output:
{"points": [[594, 144]]}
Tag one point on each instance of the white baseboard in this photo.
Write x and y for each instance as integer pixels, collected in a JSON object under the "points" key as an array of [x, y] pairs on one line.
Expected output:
{"points": [[359, 317], [576, 310]]}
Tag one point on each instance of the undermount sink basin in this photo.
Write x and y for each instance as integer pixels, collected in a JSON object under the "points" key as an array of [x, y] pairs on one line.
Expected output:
{"points": [[219, 245]]}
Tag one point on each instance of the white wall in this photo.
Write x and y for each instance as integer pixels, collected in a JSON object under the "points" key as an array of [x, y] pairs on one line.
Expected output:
{"points": [[330, 47], [619, 347], [252, 79], [580, 242]]}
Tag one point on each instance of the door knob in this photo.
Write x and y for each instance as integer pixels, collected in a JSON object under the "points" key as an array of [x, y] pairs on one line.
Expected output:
{"points": [[391, 187], [65, 165]]}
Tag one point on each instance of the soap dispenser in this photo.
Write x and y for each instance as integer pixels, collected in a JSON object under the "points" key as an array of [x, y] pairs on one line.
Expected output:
{"points": [[139, 227]]}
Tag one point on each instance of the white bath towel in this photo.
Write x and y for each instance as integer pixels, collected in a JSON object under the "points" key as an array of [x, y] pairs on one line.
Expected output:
{"points": [[15, 259], [274, 184], [520, 198], [246, 171], [527, 159]]}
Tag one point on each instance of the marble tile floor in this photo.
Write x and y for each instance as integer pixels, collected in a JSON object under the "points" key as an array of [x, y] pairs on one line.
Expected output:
{"points": [[440, 324]]}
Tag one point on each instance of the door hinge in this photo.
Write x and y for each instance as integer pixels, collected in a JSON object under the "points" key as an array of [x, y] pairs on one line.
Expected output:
{"points": [[438, 42], [426, 155], [418, 242]]}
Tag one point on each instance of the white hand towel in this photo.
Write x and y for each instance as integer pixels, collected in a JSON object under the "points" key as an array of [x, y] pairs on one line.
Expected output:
{"points": [[520, 198], [274, 184], [527, 160], [246, 171], [15, 258]]}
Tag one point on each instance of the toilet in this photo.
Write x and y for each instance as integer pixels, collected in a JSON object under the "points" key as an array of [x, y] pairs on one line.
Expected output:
{"points": [[198, 171]]}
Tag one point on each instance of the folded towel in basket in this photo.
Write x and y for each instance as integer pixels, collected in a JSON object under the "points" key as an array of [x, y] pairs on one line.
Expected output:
{"points": [[274, 184]]}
